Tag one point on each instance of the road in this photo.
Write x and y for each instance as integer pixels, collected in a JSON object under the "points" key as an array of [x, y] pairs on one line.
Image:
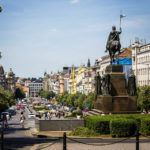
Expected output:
{"points": [[16, 138]]}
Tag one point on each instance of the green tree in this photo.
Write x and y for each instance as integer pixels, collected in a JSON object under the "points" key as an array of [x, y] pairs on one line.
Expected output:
{"points": [[19, 93], [90, 100], [70, 100], [77, 100], [6, 99], [46, 94], [144, 97]]}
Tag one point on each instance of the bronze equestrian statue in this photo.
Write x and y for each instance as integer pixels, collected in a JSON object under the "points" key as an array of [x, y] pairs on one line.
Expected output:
{"points": [[98, 85], [113, 43]]}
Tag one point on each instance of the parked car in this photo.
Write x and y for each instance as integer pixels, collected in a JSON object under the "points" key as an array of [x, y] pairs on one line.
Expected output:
{"points": [[31, 116]]}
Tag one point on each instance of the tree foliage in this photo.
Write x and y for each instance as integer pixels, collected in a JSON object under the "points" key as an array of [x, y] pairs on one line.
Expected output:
{"points": [[76, 100], [46, 94], [144, 97], [6, 99], [19, 93]]}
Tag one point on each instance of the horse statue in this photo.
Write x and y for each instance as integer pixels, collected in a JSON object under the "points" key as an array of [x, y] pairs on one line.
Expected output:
{"points": [[113, 43]]}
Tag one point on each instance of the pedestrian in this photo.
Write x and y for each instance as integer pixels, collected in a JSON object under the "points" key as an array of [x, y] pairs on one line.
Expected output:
{"points": [[7, 116], [48, 115], [22, 118], [59, 115], [5, 123], [56, 114], [45, 115], [10, 116], [63, 114]]}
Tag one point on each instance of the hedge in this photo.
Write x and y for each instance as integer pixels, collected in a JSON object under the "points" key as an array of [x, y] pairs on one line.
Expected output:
{"points": [[145, 126], [119, 125], [98, 124], [122, 127]]}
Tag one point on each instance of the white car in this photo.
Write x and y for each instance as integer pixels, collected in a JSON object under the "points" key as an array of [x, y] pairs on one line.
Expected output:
{"points": [[31, 115]]}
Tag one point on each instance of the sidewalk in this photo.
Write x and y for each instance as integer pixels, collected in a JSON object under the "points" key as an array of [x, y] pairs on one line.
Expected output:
{"points": [[54, 134]]}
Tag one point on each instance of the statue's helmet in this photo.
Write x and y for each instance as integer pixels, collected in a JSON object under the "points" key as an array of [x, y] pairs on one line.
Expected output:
{"points": [[113, 28]]}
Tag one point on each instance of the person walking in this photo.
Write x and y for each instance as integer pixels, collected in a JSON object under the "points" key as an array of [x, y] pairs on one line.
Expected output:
{"points": [[45, 115], [22, 118], [48, 115], [5, 123]]}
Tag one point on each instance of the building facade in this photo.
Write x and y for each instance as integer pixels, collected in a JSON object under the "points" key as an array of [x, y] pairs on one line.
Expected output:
{"points": [[7, 80], [11, 84], [125, 59], [141, 63], [34, 88], [3, 83]]}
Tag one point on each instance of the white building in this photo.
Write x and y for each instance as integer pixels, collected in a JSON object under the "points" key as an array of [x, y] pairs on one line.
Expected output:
{"points": [[141, 63], [66, 82], [34, 88]]}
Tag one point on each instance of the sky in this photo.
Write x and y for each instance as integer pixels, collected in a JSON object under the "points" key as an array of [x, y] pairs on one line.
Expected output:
{"points": [[38, 36]]}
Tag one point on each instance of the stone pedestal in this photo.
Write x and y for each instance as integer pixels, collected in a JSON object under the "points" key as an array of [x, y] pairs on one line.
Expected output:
{"points": [[118, 101], [116, 104], [104, 103], [118, 84]]}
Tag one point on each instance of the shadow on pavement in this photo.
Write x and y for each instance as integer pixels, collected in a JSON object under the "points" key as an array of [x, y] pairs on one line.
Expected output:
{"points": [[10, 130], [20, 143]]}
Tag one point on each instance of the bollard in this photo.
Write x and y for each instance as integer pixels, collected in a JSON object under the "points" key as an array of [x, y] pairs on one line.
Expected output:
{"points": [[64, 142], [2, 140], [137, 140]]}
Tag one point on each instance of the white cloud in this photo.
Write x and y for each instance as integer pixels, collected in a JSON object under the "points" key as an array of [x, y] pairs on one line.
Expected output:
{"points": [[53, 30], [74, 1]]}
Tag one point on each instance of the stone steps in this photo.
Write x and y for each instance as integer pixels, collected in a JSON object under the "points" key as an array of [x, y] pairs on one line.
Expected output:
{"points": [[94, 112]]}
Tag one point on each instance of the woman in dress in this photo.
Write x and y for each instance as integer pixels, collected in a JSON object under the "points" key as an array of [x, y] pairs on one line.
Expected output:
{"points": [[22, 120]]}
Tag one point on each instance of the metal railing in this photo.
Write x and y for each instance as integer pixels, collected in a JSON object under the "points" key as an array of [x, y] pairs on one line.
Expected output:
{"points": [[67, 140]]}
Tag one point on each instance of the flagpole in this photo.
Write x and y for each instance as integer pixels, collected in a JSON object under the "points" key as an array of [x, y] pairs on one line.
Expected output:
{"points": [[120, 17]]}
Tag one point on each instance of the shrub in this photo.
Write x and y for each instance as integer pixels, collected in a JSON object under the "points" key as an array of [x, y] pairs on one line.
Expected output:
{"points": [[98, 124], [40, 108], [127, 122], [75, 113], [145, 126], [83, 132], [122, 127]]}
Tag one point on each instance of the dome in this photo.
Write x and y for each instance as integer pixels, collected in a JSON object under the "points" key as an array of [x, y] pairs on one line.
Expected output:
{"points": [[10, 73], [1, 70]]}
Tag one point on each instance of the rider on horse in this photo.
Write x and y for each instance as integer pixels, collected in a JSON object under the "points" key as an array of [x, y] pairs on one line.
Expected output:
{"points": [[113, 43]]}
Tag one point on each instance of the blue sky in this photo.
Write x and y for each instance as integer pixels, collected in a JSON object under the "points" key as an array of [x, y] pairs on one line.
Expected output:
{"points": [[45, 35]]}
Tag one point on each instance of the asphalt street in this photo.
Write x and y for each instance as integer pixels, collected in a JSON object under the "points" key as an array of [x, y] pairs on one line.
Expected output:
{"points": [[16, 138]]}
